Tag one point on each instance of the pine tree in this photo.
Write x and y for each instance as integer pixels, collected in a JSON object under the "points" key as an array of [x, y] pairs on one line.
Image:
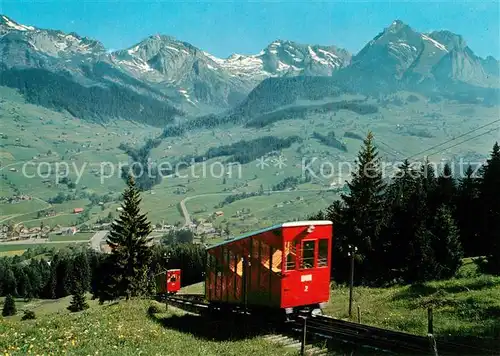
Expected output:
{"points": [[403, 209], [446, 243], [63, 276], [490, 202], [78, 302], [445, 188], [131, 255], [81, 271], [364, 208], [9, 281], [9, 306], [467, 213]]}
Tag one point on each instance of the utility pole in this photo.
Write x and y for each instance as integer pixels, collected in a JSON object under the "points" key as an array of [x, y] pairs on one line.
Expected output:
{"points": [[352, 251]]}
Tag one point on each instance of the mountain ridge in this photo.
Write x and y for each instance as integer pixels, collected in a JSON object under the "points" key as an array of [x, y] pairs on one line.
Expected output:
{"points": [[192, 81]]}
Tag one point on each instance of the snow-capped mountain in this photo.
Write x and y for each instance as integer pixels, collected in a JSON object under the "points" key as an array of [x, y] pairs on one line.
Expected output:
{"points": [[50, 42], [286, 58], [202, 77], [188, 79], [401, 54]]}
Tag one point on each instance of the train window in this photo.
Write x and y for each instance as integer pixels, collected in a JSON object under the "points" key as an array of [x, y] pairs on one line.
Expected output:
{"points": [[276, 259], [232, 263], [290, 257], [307, 260], [323, 253], [265, 254]]}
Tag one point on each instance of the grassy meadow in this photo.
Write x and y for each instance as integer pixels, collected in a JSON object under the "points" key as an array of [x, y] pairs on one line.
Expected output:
{"points": [[463, 307], [124, 328]]}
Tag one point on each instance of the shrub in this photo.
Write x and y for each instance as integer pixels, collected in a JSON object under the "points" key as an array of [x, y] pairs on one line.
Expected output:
{"points": [[9, 307], [28, 315], [154, 309]]}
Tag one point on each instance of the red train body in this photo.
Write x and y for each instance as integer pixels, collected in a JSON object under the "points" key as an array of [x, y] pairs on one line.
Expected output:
{"points": [[283, 267], [168, 282]]}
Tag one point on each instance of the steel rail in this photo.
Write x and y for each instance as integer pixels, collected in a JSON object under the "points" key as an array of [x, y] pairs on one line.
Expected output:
{"points": [[325, 327], [384, 339]]}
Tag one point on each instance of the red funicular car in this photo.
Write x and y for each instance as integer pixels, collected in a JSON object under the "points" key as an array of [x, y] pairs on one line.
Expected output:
{"points": [[168, 282], [286, 267]]}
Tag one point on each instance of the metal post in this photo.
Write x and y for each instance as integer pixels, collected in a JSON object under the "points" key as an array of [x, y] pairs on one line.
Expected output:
{"points": [[304, 333], [359, 315], [430, 329], [432, 345], [430, 333], [352, 250]]}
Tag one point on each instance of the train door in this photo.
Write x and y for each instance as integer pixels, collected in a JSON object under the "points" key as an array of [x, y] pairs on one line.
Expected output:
{"points": [[306, 278]]}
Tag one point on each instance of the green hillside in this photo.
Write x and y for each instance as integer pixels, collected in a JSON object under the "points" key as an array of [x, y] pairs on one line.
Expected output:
{"points": [[122, 329]]}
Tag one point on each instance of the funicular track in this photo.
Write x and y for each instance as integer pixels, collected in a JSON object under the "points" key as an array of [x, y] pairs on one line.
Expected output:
{"points": [[321, 328], [324, 327]]}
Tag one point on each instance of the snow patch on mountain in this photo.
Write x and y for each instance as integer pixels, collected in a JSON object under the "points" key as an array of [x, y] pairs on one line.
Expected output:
{"points": [[328, 54], [172, 48], [435, 43], [137, 64], [17, 26], [185, 94], [133, 51]]}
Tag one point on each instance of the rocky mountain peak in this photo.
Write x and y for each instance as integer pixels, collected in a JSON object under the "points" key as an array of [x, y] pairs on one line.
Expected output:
{"points": [[7, 24], [449, 39]]}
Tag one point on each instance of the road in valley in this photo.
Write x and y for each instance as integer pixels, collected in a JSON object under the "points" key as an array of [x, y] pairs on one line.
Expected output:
{"points": [[40, 241], [187, 217], [98, 238]]}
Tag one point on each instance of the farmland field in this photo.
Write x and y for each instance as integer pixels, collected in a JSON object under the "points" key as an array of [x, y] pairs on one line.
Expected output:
{"points": [[6, 249], [89, 155], [83, 236]]}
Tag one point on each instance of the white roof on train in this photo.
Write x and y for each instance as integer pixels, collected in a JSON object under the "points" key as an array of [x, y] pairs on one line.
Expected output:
{"points": [[306, 222], [286, 224]]}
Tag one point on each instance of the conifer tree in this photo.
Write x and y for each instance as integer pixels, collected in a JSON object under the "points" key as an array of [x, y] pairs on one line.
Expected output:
{"points": [[490, 201], [9, 306], [404, 219], [9, 281], [78, 302], [364, 207], [446, 243], [445, 188], [467, 213], [131, 255], [81, 271]]}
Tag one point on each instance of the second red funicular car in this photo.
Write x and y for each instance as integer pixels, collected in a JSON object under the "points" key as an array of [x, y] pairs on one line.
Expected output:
{"points": [[284, 267], [168, 282]]}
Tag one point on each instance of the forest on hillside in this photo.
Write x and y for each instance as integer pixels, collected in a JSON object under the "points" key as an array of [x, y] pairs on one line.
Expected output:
{"points": [[418, 225], [414, 228]]}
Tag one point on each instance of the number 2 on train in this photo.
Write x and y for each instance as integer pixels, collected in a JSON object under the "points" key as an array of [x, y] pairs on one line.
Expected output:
{"points": [[306, 287]]}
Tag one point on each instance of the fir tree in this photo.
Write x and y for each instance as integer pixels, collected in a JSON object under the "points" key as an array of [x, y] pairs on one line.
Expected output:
{"points": [[9, 306], [78, 302], [364, 207], [490, 201], [81, 271], [9, 281], [131, 255], [404, 206], [445, 188], [467, 213], [446, 243]]}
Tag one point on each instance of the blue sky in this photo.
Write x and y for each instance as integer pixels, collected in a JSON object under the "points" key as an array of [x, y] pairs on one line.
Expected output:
{"points": [[223, 27]]}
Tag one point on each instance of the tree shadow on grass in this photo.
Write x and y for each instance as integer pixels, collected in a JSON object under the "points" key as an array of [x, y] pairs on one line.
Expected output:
{"points": [[419, 290], [216, 328], [415, 291]]}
